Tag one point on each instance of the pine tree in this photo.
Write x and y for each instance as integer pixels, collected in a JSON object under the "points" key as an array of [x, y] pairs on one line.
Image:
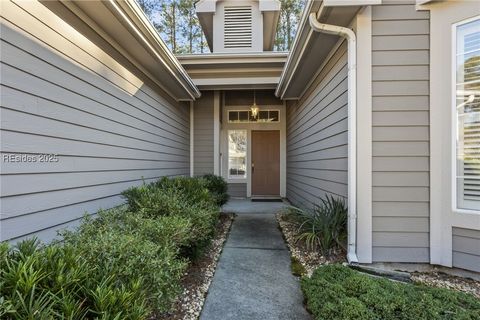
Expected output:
{"points": [[190, 27], [177, 23], [287, 24]]}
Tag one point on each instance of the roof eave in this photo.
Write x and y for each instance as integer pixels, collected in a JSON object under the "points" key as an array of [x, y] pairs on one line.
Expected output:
{"points": [[300, 66], [142, 43]]}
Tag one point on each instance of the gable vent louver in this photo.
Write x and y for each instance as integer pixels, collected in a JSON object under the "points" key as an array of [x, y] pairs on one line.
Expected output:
{"points": [[238, 27]]}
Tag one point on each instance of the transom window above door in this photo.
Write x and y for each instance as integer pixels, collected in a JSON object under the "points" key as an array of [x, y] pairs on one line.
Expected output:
{"points": [[467, 115], [244, 116]]}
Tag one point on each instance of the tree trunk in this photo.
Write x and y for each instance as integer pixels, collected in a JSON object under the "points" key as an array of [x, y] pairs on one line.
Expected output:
{"points": [[174, 27]]}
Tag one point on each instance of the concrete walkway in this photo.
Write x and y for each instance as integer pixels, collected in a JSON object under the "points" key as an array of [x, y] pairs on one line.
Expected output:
{"points": [[253, 278]]}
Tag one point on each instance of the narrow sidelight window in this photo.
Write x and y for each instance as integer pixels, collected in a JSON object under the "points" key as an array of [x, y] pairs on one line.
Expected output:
{"points": [[237, 154], [467, 115]]}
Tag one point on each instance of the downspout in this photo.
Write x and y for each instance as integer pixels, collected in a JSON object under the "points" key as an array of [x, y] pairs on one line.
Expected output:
{"points": [[352, 127]]}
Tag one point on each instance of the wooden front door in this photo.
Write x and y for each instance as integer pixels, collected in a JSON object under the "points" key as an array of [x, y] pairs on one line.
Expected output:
{"points": [[266, 163]]}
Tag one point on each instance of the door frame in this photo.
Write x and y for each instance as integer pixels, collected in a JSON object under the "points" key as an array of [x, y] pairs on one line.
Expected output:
{"points": [[249, 127]]}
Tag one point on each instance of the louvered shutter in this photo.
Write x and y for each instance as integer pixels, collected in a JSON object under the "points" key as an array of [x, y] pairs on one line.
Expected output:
{"points": [[238, 27], [468, 115]]}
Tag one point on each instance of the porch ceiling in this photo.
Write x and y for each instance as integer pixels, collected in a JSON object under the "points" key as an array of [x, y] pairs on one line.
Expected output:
{"points": [[234, 71], [311, 49]]}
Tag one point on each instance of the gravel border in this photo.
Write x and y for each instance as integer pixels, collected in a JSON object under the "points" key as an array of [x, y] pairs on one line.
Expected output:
{"points": [[443, 280], [309, 259], [198, 277], [312, 260]]}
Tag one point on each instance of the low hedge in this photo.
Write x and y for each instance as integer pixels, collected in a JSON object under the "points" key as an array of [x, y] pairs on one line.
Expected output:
{"points": [[124, 264], [338, 292], [218, 188], [182, 197]]}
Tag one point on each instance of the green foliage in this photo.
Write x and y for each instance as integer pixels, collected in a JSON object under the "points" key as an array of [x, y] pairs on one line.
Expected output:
{"points": [[290, 13], [55, 282], [181, 197], [177, 23], [325, 227], [218, 187], [337, 292], [132, 248], [124, 264], [298, 269]]}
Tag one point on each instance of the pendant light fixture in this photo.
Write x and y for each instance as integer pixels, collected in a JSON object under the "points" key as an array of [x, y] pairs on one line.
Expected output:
{"points": [[254, 108]]}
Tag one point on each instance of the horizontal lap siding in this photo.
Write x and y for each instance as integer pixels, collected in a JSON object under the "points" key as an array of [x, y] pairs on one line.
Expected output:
{"points": [[400, 118], [203, 137], [237, 190], [317, 137], [466, 249], [64, 94]]}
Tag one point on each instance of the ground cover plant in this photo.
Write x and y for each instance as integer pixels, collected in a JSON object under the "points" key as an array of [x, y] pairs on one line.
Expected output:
{"points": [[126, 263], [338, 292], [324, 228]]}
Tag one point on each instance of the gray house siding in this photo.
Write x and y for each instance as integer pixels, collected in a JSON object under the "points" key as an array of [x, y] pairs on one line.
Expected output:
{"points": [[317, 136], [400, 133], [65, 94], [237, 190], [203, 134], [466, 248]]}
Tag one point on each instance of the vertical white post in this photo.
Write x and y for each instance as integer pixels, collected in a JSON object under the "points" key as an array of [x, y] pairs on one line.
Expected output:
{"points": [[364, 136], [216, 132], [192, 140]]}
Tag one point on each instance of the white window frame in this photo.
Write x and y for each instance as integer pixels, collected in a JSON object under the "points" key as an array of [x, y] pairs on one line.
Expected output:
{"points": [[236, 177], [454, 118]]}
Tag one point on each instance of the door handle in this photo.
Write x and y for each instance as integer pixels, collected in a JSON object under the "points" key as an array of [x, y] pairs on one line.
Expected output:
{"points": [[253, 167]]}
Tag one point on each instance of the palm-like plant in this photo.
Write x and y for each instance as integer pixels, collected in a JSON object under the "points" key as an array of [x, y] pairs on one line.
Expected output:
{"points": [[323, 228]]}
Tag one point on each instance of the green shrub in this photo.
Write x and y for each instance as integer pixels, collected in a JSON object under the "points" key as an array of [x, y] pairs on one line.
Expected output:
{"points": [[337, 292], [122, 244], [181, 197], [218, 187], [125, 263], [55, 282], [323, 228]]}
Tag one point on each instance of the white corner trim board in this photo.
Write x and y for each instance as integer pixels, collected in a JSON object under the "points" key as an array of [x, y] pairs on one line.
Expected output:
{"points": [[192, 139], [352, 126], [363, 29], [216, 132]]}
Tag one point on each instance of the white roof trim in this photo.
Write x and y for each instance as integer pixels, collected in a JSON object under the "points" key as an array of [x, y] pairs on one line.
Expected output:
{"points": [[336, 3], [106, 17]]}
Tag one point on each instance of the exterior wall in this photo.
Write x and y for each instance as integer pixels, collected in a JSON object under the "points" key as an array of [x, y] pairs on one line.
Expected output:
{"points": [[454, 233], [66, 92], [203, 134], [466, 249], [400, 133], [317, 136], [237, 190]]}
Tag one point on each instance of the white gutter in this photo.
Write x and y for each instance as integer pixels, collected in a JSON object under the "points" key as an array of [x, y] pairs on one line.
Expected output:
{"points": [[352, 126]]}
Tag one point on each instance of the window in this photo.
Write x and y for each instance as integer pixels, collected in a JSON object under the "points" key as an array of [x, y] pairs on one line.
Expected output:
{"points": [[467, 115], [237, 154], [247, 117]]}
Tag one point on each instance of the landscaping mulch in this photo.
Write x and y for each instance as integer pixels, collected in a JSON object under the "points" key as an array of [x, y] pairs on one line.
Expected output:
{"points": [[443, 280], [309, 259], [199, 275]]}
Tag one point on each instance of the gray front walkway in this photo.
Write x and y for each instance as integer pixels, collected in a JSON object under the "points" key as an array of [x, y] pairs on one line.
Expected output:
{"points": [[253, 278]]}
